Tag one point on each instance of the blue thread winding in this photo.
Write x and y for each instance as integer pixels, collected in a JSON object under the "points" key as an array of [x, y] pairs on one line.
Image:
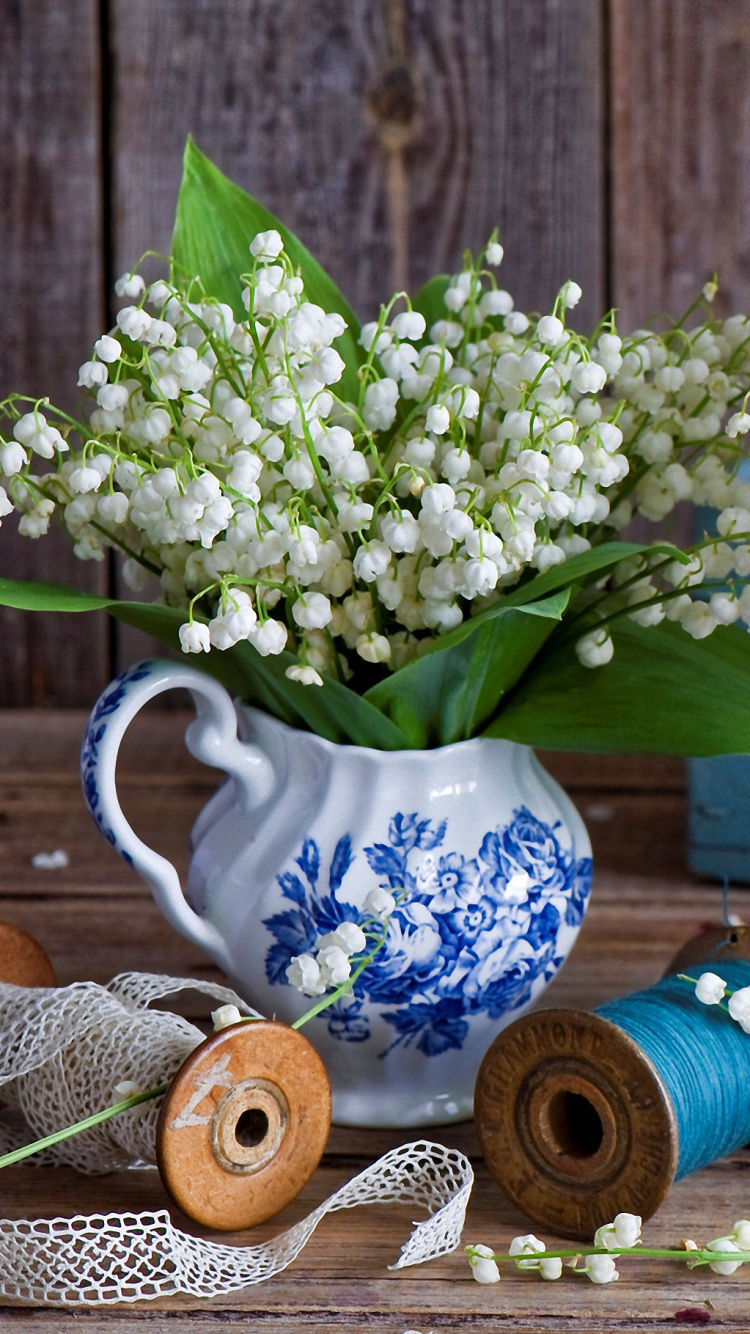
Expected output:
{"points": [[703, 1057]]}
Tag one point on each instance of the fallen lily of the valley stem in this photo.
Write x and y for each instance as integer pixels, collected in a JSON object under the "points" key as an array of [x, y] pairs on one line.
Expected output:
{"points": [[612, 1242]]}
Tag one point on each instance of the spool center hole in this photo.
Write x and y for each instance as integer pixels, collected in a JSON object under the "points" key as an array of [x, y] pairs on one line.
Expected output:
{"points": [[573, 1126], [251, 1128]]}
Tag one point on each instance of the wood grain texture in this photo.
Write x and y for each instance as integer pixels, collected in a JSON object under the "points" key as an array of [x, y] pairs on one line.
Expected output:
{"points": [[680, 154], [341, 1282], [497, 104], [634, 806], [388, 134], [51, 279]]}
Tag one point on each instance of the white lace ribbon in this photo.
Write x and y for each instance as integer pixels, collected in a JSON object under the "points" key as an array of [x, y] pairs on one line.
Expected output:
{"points": [[62, 1052]]}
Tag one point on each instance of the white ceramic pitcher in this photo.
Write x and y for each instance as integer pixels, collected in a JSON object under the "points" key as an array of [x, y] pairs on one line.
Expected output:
{"points": [[491, 855]]}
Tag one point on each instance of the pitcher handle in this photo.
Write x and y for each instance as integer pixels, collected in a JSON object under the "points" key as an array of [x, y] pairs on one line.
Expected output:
{"points": [[211, 738]]}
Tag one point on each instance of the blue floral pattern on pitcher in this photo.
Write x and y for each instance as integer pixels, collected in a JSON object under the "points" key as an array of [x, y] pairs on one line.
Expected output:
{"points": [[471, 935]]}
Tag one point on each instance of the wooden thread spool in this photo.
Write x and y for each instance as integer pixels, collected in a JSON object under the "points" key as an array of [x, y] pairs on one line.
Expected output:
{"points": [[712, 946], [574, 1120], [23, 962], [245, 1120], [243, 1125]]}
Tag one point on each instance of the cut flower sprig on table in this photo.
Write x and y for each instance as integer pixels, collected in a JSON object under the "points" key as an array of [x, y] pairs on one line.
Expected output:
{"points": [[612, 1242], [407, 533], [330, 973], [711, 989]]}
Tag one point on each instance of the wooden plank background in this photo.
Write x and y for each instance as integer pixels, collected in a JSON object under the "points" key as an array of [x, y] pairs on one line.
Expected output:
{"points": [[608, 139], [52, 279]]}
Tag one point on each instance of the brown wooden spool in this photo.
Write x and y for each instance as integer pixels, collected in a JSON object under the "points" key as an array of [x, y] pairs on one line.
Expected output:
{"points": [[715, 945], [574, 1122], [243, 1125], [23, 962], [573, 1119]]}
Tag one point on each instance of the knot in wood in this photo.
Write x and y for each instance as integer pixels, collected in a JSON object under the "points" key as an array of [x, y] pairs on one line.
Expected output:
{"points": [[393, 106]]}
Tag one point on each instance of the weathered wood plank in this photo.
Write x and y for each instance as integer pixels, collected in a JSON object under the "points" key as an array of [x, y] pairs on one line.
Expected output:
{"points": [[634, 806], [498, 105], [46, 745], [341, 1281], [638, 834], [680, 153], [51, 279], [99, 935], [512, 136], [93, 927]]}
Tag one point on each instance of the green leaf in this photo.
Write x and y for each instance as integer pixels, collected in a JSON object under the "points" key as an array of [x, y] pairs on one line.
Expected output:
{"points": [[429, 299], [29, 596], [449, 694], [214, 226], [578, 569], [455, 689], [331, 710], [663, 692]]}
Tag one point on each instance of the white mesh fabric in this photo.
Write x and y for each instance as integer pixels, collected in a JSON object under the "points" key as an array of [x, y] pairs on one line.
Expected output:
{"points": [[131, 1257], [62, 1053], [64, 1049]]}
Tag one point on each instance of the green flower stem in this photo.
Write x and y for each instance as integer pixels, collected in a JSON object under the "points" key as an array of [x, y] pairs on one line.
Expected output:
{"points": [[484, 398], [531, 385], [79, 426], [649, 573], [694, 305], [577, 626], [147, 1095], [118, 541], [240, 389], [718, 1005], [738, 355], [259, 352], [331, 642], [372, 450], [343, 990], [26, 1150], [310, 443], [368, 364], [32, 482], [699, 1256], [624, 490]]}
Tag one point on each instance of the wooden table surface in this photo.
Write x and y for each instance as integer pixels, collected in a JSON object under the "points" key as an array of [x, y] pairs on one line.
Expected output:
{"points": [[95, 918]]}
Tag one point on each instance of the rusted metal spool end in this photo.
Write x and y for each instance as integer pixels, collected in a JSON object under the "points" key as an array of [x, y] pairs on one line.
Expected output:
{"points": [[22, 959], [243, 1125], [574, 1122], [713, 946]]}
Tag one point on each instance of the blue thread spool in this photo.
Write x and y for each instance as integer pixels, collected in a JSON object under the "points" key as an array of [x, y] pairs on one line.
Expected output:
{"points": [[582, 1116]]}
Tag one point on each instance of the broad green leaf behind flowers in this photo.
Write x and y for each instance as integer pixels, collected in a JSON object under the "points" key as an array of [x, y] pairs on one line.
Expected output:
{"points": [[214, 225]]}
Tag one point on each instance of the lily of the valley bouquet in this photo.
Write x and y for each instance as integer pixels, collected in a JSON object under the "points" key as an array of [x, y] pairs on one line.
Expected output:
{"points": [[407, 533]]}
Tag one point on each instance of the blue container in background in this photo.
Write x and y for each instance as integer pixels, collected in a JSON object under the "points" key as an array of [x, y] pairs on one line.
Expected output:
{"points": [[719, 794], [719, 817]]}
